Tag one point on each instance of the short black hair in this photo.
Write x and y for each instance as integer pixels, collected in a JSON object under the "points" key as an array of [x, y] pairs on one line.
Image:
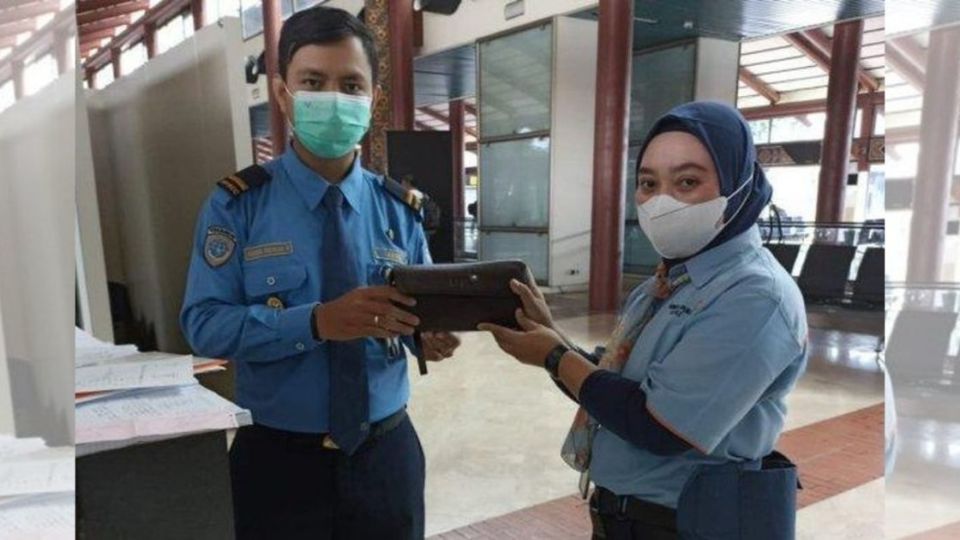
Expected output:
{"points": [[321, 25]]}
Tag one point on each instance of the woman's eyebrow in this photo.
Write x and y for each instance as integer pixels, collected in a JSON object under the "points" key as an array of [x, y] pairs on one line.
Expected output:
{"points": [[688, 165]]}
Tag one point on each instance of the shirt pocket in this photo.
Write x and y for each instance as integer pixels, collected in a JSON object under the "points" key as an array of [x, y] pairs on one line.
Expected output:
{"points": [[263, 283]]}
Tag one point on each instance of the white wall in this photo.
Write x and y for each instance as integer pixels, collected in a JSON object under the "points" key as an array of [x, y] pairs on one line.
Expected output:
{"points": [[162, 137], [94, 302], [37, 149], [6, 399], [479, 18], [571, 160], [718, 63]]}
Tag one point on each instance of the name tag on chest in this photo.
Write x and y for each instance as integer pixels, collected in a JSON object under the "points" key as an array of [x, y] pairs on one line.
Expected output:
{"points": [[275, 249]]}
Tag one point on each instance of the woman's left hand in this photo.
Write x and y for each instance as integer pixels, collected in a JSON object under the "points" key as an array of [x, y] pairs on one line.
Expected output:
{"points": [[531, 345]]}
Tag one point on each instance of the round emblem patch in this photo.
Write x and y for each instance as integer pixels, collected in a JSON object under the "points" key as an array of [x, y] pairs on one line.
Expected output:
{"points": [[219, 246]]}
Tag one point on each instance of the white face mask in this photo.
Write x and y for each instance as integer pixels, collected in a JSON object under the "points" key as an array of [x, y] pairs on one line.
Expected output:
{"points": [[678, 229]]}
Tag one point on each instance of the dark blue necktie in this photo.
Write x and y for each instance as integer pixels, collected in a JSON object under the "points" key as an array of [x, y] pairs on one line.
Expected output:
{"points": [[348, 368]]}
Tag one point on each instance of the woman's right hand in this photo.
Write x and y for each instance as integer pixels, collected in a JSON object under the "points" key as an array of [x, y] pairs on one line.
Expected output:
{"points": [[534, 304]]}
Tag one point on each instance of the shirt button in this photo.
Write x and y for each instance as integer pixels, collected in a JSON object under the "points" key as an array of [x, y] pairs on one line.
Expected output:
{"points": [[301, 346], [271, 280], [364, 426]]}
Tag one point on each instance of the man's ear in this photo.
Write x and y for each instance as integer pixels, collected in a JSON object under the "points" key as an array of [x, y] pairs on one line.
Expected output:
{"points": [[375, 98], [278, 87]]}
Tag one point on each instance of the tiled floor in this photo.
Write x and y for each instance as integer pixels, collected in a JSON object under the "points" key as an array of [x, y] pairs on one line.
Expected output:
{"points": [[492, 428], [833, 456]]}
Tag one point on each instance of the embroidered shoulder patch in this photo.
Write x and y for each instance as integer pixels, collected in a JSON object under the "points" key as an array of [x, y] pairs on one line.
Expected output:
{"points": [[219, 246]]}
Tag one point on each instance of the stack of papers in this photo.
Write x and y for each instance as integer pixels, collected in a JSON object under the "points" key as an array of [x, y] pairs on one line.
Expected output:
{"points": [[125, 398], [37, 486], [151, 415], [104, 369]]}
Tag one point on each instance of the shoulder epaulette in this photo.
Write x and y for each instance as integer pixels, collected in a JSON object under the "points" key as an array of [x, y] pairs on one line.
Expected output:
{"points": [[245, 180], [409, 196]]}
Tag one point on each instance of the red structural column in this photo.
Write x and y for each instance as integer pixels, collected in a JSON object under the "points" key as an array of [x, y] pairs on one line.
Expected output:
{"points": [[457, 134], [400, 29], [62, 51], [196, 9], [868, 117], [272, 22], [115, 62], [838, 132], [150, 39], [18, 89], [935, 164], [614, 49]]}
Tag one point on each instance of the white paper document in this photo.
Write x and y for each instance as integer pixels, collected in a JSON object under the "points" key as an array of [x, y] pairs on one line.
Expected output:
{"points": [[12, 447], [39, 517], [90, 350], [37, 473], [166, 371], [157, 412]]}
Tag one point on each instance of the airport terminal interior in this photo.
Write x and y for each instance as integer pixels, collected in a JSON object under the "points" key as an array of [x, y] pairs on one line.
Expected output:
{"points": [[494, 110]]}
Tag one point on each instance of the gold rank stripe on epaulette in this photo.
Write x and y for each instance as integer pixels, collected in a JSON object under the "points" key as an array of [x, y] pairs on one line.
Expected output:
{"points": [[242, 181], [414, 199], [411, 197], [234, 185]]}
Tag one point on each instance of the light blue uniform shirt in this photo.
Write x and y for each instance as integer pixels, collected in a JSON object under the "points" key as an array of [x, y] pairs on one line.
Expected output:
{"points": [[276, 233], [716, 362]]}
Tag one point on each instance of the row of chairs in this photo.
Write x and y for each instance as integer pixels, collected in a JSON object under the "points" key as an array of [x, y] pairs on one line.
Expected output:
{"points": [[826, 267]]}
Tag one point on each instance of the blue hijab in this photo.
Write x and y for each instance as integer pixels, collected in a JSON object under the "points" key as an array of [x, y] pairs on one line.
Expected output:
{"points": [[726, 135]]}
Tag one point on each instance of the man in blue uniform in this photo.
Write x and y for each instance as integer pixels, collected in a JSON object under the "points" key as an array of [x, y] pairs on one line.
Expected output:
{"points": [[287, 280]]}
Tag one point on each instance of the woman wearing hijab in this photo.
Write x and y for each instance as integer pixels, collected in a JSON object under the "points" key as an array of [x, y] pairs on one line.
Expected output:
{"points": [[679, 416]]}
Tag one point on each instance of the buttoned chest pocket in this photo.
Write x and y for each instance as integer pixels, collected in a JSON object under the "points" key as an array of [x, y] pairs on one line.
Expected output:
{"points": [[274, 285]]}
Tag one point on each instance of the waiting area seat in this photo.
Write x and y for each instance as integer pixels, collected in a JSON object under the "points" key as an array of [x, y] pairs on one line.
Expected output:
{"points": [[868, 289], [825, 270], [786, 255], [919, 343]]}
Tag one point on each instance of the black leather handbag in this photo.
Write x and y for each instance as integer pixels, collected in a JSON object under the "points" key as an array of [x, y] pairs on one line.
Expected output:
{"points": [[458, 297]]}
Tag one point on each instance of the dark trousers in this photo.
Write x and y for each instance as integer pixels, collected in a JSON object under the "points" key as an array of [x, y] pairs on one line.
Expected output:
{"points": [[641, 521], [287, 486]]}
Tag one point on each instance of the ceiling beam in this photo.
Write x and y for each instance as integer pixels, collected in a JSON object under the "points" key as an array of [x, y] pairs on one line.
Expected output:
{"points": [[759, 86], [470, 108], [104, 24], [809, 49], [798, 108], [28, 11], [905, 66], [96, 37], [823, 42], [437, 116], [158, 14], [421, 126], [106, 13], [17, 28], [86, 6]]}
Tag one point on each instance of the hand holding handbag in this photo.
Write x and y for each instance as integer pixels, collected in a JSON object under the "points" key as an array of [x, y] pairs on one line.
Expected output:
{"points": [[458, 297]]}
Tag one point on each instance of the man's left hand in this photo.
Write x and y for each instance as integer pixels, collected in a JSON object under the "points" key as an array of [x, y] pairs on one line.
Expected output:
{"points": [[531, 345], [438, 346]]}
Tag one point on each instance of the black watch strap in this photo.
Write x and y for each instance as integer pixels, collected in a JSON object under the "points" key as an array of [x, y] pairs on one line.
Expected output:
{"points": [[552, 363]]}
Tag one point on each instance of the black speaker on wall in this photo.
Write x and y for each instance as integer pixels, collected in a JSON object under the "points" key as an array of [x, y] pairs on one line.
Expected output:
{"points": [[443, 7], [425, 159]]}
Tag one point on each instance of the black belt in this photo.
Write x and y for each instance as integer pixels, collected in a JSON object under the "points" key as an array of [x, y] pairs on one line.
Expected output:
{"points": [[322, 440], [606, 503]]}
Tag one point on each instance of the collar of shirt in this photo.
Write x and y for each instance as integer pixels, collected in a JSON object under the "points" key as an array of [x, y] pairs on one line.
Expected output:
{"points": [[312, 187], [703, 267]]}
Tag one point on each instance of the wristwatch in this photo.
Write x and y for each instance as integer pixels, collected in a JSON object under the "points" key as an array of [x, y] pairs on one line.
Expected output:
{"points": [[552, 363]]}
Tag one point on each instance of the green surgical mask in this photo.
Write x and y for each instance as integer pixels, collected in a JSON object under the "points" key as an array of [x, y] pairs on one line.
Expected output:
{"points": [[330, 124]]}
